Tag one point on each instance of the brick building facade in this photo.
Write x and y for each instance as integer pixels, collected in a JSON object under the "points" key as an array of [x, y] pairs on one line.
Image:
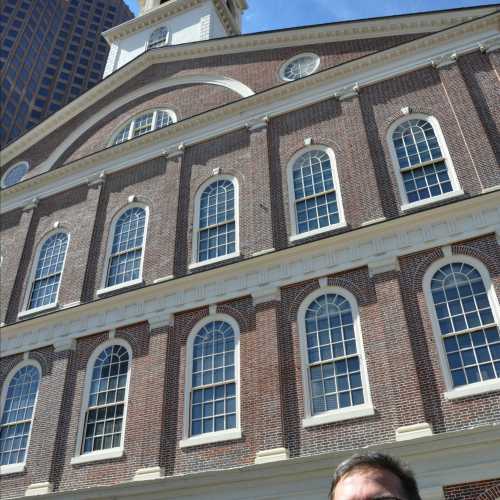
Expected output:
{"points": [[232, 221]]}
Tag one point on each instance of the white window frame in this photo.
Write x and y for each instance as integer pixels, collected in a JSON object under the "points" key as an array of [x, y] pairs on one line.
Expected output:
{"points": [[283, 67], [94, 456], [21, 466], [476, 387], [9, 170], [27, 296], [111, 235], [167, 38], [291, 194], [218, 436], [196, 223], [130, 123], [364, 410], [456, 189]]}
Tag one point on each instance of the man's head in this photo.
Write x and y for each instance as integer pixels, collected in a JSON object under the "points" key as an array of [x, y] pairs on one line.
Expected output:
{"points": [[373, 476]]}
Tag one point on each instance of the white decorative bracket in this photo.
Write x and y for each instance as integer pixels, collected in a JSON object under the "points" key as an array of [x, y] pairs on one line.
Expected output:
{"points": [[263, 295], [161, 320], [444, 60], [256, 125], [31, 205], [490, 45], [212, 309], [274, 455], [406, 110], [148, 474], [323, 282], [383, 266], [347, 92], [38, 489], [447, 251], [96, 180], [65, 344], [413, 431], [308, 141]]}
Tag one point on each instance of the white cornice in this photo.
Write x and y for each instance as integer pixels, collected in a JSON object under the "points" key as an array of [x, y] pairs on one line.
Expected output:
{"points": [[274, 102], [320, 34], [368, 245]]}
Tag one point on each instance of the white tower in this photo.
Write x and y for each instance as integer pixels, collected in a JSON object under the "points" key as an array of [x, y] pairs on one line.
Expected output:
{"points": [[171, 22]]}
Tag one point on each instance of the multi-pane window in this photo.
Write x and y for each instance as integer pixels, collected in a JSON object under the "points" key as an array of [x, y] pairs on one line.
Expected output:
{"points": [[213, 379], [316, 204], [217, 221], [421, 160], [468, 328], [158, 38], [15, 174], [49, 268], [105, 412], [143, 124], [299, 67], [17, 415], [332, 355], [127, 247]]}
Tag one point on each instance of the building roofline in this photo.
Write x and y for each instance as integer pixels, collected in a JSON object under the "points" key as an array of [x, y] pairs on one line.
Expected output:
{"points": [[227, 45]]}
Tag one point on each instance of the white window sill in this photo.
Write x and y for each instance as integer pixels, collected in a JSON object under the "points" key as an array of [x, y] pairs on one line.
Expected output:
{"points": [[97, 456], [195, 265], [301, 236], [31, 312], [120, 286], [339, 415], [430, 201], [473, 389], [12, 469], [211, 437]]}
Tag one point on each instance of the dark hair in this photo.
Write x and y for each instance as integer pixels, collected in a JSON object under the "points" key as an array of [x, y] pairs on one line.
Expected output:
{"points": [[382, 462]]}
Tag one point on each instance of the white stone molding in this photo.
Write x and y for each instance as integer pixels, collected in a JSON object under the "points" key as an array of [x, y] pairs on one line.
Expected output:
{"points": [[414, 431], [161, 320], [263, 252], [490, 45], [163, 279], [264, 295], [148, 474], [64, 344], [347, 92], [447, 251], [212, 309], [444, 60], [31, 205], [96, 180], [323, 282], [256, 125], [274, 455], [406, 110], [373, 221], [382, 266], [366, 71], [377, 243], [38, 489]]}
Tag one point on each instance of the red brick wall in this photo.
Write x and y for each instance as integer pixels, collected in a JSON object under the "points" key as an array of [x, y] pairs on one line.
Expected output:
{"points": [[480, 490]]}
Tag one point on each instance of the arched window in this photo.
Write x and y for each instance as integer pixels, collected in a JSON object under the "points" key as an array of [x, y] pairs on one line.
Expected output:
{"points": [[299, 66], [48, 271], [144, 123], [334, 373], [15, 174], [18, 408], [212, 374], [315, 192], [465, 316], [424, 166], [217, 225], [106, 399], [127, 247], [158, 38]]}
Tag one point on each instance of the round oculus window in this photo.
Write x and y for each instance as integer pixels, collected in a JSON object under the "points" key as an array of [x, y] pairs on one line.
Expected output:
{"points": [[299, 67], [15, 174]]}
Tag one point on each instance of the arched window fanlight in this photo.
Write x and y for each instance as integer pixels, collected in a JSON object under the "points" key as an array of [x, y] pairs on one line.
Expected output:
{"points": [[299, 67], [144, 123], [15, 174]]}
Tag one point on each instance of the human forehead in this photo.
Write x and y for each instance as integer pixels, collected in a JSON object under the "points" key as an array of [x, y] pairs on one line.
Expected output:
{"points": [[369, 483]]}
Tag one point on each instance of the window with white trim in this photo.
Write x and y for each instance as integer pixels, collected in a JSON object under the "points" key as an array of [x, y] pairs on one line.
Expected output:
{"points": [[127, 248], [467, 325], [213, 379], [144, 123], [107, 400], [316, 195], [15, 174], [48, 271], [299, 66], [158, 37], [217, 225], [17, 414], [423, 163]]}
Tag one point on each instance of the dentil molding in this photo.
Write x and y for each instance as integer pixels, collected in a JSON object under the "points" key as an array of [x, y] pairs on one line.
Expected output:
{"points": [[377, 246]]}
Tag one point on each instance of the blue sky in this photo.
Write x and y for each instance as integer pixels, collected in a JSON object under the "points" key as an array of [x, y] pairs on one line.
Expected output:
{"points": [[265, 15]]}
